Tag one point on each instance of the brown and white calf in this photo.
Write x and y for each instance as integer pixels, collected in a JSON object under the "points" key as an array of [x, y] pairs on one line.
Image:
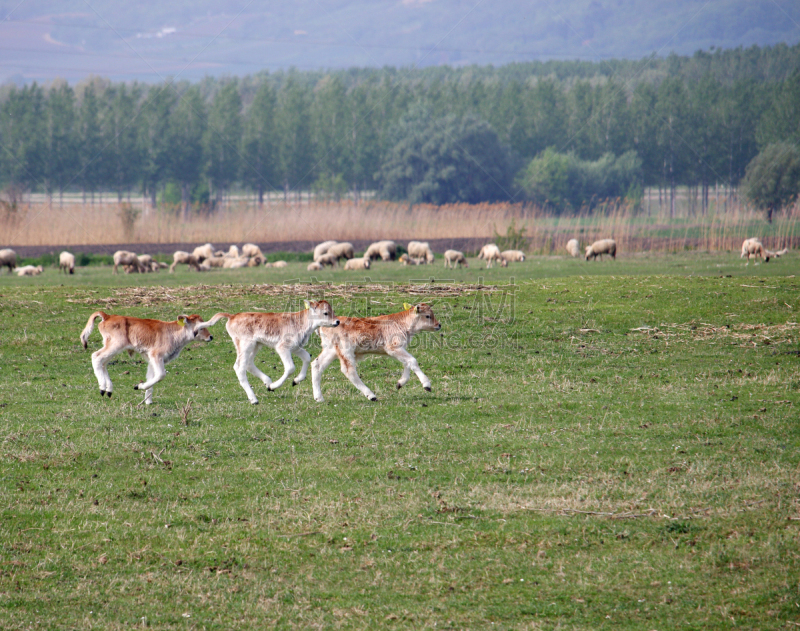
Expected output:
{"points": [[287, 333], [160, 341], [356, 338]]}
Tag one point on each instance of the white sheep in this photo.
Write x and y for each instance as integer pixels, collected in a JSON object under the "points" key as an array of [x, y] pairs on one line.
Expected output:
{"points": [[454, 258], [66, 262], [203, 252], [280, 264], [328, 259], [778, 254], [238, 263], [8, 258], [181, 257], [341, 250], [123, 257], [357, 264], [491, 253], [603, 246], [322, 249], [254, 252], [385, 250], [405, 259], [29, 270], [573, 247], [513, 256], [314, 267], [420, 250], [752, 248]]}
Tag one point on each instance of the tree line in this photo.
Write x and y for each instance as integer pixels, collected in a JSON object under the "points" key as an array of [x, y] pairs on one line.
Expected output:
{"points": [[433, 135]]}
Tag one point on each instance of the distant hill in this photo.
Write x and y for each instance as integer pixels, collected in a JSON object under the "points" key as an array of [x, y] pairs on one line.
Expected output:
{"points": [[153, 40]]}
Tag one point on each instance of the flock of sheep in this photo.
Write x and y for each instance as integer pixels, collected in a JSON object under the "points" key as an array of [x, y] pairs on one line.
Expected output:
{"points": [[329, 253]]}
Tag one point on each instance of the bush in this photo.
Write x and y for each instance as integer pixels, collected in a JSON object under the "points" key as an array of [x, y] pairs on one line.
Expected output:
{"points": [[772, 179], [563, 182]]}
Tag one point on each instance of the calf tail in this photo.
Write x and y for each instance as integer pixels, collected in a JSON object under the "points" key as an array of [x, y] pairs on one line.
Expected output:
{"points": [[217, 317], [87, 331]]}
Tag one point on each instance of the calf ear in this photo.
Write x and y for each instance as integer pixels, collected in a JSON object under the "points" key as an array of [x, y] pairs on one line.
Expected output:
{"points": [[307, 304], [182, 319], [407, 306]]}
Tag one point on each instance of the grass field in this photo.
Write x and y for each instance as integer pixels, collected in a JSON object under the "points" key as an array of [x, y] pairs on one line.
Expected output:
{"points": [[607, 446]]}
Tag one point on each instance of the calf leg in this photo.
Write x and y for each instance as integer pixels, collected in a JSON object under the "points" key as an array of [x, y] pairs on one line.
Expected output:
{"points": [[348, 366], [288, 366], [244, 357], [155, 373], [409, 363], [253, 369], [318, 366], [303, 355], [99, 360], [148, 394]]}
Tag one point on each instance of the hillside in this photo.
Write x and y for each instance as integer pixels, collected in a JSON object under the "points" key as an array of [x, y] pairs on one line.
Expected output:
{"points": [[150, 41]]}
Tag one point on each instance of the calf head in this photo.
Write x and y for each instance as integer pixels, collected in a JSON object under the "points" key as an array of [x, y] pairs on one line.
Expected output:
{"points": [[424, 320], [195, 324], [321, 313]]}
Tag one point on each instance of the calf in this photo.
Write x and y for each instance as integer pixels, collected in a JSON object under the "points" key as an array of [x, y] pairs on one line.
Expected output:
{"points": [[160, 341], [287, 333], [355, 338]]}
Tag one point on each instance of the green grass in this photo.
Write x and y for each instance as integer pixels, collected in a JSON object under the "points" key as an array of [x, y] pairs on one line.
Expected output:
{"points": [[609, 445]]}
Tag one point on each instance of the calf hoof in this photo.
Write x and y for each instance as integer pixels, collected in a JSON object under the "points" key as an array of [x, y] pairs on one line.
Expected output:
{"points": [[373, 398], [427, 388], [399, 385], [294, 383], [102, 392], [254, 402], [109, 393], [136, 387]]}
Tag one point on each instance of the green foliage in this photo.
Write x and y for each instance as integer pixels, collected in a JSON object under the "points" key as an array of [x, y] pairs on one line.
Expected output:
{"points": [[514, 238], [328, 186], [564, 181], [445, 160], [128, 215], [773, 178]]}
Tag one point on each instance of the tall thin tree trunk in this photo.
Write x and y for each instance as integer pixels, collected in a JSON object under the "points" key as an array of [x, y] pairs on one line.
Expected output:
{"points": [[185, 200]]}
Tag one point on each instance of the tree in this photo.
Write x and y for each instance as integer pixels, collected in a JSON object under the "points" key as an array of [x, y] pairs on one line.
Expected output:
{"points": [[154, 139], [90, 174], [772, 179], [329, 114], [223, 138], [446, 160], [23, 139], [61, 154], [781, 120], [296, 151], [186, 129], [120, 134], [260, 148]]}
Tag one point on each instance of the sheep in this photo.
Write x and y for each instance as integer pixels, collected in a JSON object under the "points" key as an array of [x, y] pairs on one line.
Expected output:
{"points": [[491, 253], [287, 333], [253, 251], [66, 262], [214, 261], [778, 254], [357, 264], [322, 249], [232, 253], [8, 258], [573, 247], [341, 250], [180, 257], [203, 252], [160, 341], [513, 256], [314, 267], [280, 264], [603, 246], [753, 248], [145, 262], [328, 259], [123, 257], [385, 250], [405, 259], [420, 250], [231, 263], [29, 270], [355, 338], [454, 258]]}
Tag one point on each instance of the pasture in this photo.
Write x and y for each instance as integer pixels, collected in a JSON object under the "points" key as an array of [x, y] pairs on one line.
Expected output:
{"points": [[607, 446]]}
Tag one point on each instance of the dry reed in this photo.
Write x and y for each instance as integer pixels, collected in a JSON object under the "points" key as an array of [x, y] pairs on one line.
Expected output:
{"points": [[82, 224]]}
